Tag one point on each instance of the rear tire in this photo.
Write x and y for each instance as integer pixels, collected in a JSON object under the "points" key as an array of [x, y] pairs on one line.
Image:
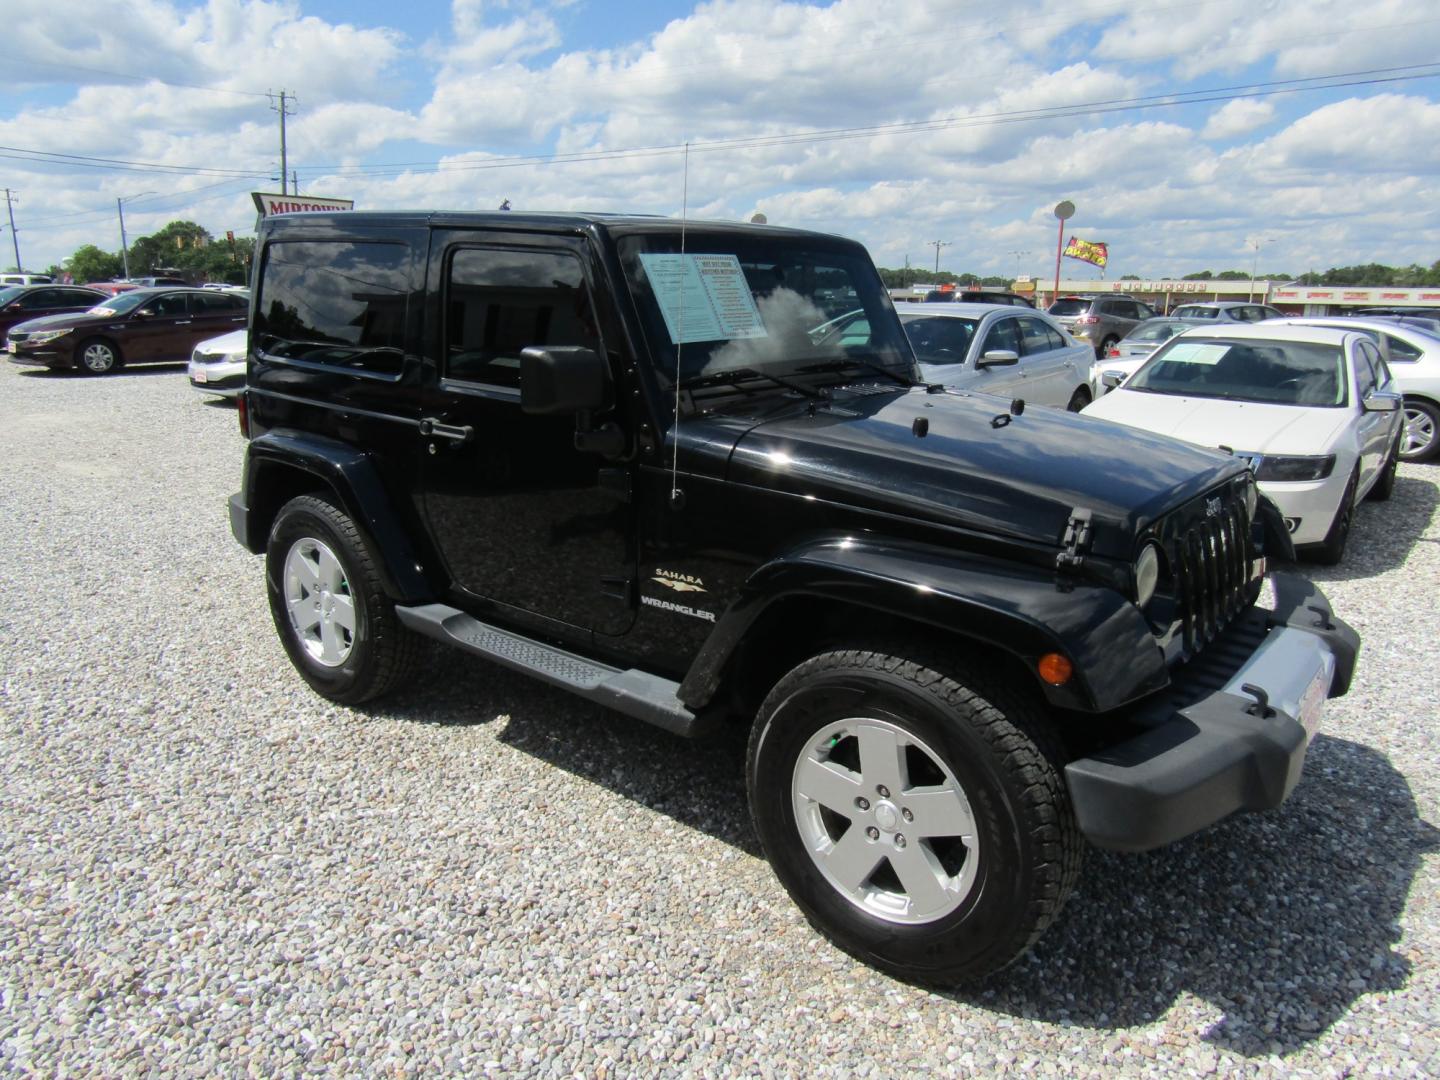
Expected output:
{"points": [[329, 605], [852, 750], [1420, 439]]}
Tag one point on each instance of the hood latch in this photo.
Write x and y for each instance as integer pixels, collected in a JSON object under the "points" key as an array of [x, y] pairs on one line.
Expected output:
{"points": [[1076, 540]]}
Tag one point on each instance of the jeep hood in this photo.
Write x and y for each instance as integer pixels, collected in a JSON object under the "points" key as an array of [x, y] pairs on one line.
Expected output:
{"points": [[974, 468]]}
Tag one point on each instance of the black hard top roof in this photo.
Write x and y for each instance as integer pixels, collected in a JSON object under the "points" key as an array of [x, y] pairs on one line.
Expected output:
{"points": [[614, 223]]}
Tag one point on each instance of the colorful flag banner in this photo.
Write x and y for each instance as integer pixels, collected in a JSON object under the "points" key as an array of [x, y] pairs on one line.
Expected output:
{"points": [[1087, 251]]}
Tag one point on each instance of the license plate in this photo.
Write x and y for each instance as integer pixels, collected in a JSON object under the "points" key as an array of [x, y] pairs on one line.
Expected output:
{"points": [[1312, 702], [199, 375], [10, 345]]}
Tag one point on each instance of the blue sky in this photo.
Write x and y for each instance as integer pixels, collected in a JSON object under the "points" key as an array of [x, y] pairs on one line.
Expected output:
{"points": [[935, 121]]}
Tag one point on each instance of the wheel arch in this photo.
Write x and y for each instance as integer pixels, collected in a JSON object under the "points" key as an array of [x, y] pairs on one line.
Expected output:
{"points": [[844, 588], [281, 465]]}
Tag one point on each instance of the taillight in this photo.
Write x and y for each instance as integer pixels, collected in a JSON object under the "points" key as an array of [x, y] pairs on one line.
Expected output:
{"points": [[242, 412]]}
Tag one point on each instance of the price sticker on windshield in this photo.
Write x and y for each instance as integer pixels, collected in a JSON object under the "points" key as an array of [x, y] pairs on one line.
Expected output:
{"points": [[1196, 352], [703, 297]]}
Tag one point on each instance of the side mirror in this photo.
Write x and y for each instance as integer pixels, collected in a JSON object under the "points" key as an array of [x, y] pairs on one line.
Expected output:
{"points": [[1112, 379], [998, 358], [1383, 401], [559, 379], [144, 313]]}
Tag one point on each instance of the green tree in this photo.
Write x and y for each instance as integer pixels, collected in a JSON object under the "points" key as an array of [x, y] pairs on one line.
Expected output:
{"points": [[1202, 275], [89, 263], [1233, 275]]}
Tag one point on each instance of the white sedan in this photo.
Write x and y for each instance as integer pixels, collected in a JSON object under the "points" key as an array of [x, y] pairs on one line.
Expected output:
{"points": [[1010, 351], [1313, 409]]}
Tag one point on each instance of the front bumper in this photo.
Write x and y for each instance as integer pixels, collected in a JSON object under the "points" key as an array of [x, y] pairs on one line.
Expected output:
{"points": [[1227, 748], [225, 379]]}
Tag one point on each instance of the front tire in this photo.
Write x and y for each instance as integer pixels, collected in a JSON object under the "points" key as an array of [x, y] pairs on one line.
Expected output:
{"points": [[98, 357], [1332, 549], [924, 828], [1079, 399], [329, 605], [1384, 487]]}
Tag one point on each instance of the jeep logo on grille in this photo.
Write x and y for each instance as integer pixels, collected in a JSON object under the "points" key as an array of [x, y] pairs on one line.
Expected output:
{"points": [[1212, 507]]}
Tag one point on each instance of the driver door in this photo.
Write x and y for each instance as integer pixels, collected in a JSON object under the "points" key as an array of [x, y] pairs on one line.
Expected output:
{"points": [[521, 517]]}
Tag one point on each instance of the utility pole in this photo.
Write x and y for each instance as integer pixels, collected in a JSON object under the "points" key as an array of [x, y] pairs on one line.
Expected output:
{"points": [[14, 236], [937, 245], [294, 182], [1017, 255], [124, 244], [283, 108]]}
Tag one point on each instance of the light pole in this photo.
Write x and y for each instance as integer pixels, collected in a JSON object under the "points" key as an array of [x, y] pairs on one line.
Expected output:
{"points": [[1255, 242], [1018, 255], [124, 244]]}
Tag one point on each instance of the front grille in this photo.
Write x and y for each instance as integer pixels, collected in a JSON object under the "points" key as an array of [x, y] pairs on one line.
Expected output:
{"points": [[1210, 561], [17, 338]]}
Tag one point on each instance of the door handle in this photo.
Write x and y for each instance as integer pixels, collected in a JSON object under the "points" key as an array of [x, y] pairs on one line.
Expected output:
{"points": [[430, 428]]}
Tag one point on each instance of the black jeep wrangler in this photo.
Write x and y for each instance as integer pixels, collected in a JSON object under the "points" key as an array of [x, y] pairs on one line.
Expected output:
{"points": [[689, 471]]}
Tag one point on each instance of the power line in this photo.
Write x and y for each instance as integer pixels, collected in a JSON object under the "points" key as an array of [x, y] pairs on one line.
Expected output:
{"points": [[1171, 99], [14, 62]]}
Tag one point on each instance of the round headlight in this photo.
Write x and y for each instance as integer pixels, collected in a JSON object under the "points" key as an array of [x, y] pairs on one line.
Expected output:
{"points": [[1147, 574]]}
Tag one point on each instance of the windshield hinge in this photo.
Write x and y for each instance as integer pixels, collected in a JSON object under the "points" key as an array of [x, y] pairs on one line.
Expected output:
{"points": [[1076, 540]]}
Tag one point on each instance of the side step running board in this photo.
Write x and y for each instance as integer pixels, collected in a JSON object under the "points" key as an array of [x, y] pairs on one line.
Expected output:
{"points": [[636, 693]]}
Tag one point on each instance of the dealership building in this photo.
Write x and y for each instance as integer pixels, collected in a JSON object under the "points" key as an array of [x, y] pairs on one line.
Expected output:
{"points": [[1165, 294]]}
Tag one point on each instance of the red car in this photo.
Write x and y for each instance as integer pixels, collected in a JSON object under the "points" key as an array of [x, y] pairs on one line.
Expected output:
{"points": [[145, 326], [21, 303]]}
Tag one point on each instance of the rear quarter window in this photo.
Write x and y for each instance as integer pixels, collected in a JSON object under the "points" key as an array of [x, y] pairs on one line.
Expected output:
{"points": [[340, 303]]}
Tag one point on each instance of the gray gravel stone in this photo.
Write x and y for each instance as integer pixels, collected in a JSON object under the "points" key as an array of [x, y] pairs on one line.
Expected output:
{"points": [[207, 870]]}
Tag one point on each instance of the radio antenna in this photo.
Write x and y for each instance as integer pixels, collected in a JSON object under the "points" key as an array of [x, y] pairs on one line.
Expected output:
{"points": [[677, 497]]}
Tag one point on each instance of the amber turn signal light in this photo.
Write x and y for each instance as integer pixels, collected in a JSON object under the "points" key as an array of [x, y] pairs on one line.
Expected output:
{"points": [[1055, 669]]}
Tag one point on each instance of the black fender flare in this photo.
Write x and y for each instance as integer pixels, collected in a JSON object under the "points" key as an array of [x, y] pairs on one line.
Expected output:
{"points": [[1021, 609], [353, 477]]}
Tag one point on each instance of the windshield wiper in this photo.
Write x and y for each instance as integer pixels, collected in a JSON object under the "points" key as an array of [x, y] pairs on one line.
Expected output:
{"points": [[841, 365], [731, 376]]}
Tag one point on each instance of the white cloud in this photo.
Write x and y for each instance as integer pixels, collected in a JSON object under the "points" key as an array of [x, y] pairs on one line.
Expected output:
{"points": [[1238, 117]]}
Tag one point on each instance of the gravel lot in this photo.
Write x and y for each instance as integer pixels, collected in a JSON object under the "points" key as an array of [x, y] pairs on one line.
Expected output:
{"points": [[207, 870]]}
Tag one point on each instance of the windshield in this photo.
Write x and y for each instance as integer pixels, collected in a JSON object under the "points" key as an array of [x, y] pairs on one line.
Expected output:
{"points": [[121, 303], [1076, 306], [765, 304], [1274, 372], [1155, 331], [1196, 313], [939, 339]]}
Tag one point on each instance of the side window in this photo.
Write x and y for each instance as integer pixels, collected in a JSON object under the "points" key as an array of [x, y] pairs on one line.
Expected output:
{"points": [[1401, 352], [498, 302], [335, 302], [1005, 334], [218, 304], [170, 305], [1366, 357], [1053, 336], [1034, 336], [40, 298]]}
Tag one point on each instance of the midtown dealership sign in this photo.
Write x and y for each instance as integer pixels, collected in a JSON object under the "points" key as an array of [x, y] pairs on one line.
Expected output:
{"points": [[270, 204]]}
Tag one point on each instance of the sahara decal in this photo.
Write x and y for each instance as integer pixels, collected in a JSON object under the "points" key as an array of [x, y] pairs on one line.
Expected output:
{"points": [[672, 579]]}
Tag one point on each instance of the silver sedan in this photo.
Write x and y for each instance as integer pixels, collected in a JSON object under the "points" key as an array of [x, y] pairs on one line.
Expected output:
{"points": [[1413, 356], [1001, 350]]}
